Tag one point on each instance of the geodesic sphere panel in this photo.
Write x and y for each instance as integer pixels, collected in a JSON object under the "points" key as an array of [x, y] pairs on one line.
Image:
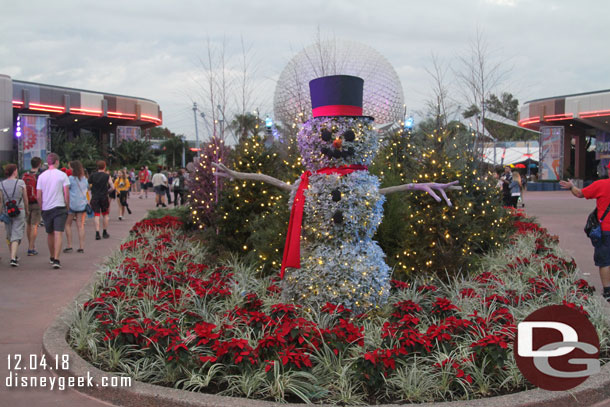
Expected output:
{"points": [[383, 96]]}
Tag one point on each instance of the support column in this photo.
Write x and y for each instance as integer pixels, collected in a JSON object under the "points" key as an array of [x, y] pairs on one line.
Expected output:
{"points": [[580, 156], [105, 138], [6, 118], [567, 149]]}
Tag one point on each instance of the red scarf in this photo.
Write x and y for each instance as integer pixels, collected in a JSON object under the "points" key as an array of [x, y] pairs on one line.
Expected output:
{"points": [[292, 249]]}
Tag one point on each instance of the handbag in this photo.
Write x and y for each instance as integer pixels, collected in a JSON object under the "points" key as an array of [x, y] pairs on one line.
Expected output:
{"points": [[11, 206], [593, 227]]}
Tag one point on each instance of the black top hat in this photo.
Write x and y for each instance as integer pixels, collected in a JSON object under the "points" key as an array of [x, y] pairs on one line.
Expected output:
{"points": [[336, 95]]}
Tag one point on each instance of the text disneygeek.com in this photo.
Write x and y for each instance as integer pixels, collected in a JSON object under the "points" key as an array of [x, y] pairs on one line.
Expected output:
{"points": [[18, 366]]}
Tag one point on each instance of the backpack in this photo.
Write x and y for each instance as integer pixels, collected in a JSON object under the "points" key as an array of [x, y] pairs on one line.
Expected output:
{"points": [[30, 186], [11, 206], [593, 227]]}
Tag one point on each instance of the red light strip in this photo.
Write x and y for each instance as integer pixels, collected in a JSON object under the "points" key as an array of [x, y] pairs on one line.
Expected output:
{"points": [[87, 112], [529, 120], [150, 119], [594, 113], [122, 115], [555, 117], [46, 108]]}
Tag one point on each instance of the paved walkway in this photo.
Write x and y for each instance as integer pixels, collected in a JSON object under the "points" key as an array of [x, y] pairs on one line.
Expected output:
{"points": [[565, 215], [32, 296]]}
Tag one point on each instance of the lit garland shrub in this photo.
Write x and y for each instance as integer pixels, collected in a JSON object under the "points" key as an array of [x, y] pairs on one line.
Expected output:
{"points": [[203, 187], [422, 236], [252, 217]]}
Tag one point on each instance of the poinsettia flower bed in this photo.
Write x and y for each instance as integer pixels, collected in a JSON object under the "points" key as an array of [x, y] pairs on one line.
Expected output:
{"points": [[162, 315]]}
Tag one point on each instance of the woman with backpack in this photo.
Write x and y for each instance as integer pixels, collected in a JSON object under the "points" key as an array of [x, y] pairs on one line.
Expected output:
{"points": [[78, 206], [16, 207]]}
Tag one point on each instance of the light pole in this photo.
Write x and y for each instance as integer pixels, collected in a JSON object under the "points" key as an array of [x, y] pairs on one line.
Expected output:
{"points": [[183, 138], [196, 131]]}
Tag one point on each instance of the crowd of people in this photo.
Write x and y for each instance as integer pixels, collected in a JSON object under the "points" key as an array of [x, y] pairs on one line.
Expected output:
{"points": [[57, 198], [511, 185]]}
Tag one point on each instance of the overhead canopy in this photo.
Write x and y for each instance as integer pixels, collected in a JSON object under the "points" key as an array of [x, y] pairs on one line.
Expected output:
{"points": [[512, 154]]}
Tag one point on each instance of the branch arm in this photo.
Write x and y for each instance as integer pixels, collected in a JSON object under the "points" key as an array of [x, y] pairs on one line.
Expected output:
{"points": [[410, 187], [223, 171]]}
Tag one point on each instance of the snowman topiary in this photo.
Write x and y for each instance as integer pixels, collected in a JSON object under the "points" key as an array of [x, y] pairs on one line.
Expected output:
{"points": [[336, 204]]}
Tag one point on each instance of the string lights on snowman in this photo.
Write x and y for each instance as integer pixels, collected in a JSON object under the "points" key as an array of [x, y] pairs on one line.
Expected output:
{"points": [[337, 205]]}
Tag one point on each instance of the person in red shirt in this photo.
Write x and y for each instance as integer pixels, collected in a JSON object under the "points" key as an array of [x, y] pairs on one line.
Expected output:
{"points": [[600, 191], [144, 178]]}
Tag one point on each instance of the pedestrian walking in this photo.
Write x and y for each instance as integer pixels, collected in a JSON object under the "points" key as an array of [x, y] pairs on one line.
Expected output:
{"points": [[168, 175], [144, 178], [600, 191], [101, 184], [122, 185], [79, 186], [506, 179], [33, 216], [159, 184], [53, 195], [178, 186], [515, 189], [15, 204], [112, 192]]}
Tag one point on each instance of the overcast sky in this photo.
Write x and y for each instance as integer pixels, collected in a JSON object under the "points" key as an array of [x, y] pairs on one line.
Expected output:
{"points": [[152, 49]]}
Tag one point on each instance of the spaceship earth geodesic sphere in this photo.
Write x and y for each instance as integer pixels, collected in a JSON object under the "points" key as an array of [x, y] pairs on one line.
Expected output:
{"points": [[383, 95]]}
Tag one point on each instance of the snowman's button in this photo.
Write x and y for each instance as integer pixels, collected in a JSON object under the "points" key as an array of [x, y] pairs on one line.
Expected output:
{"points": [[338, 217], [349, 135], [336, 194], [326, 135]]}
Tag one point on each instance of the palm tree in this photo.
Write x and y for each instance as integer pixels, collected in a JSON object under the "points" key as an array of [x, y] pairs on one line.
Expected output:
{"points": [[172, 146], [134, 153], [245, 125]]}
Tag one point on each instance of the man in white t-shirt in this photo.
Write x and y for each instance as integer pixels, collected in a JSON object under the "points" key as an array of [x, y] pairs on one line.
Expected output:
{"points": [[159, 181], [53, 196]]}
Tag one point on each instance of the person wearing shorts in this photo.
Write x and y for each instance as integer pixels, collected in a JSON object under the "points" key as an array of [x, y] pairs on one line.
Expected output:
{"points": [[101, 184], [144, 178], [13, 190], [33, 217], [600, 191], [53, 196], [159, 181]]}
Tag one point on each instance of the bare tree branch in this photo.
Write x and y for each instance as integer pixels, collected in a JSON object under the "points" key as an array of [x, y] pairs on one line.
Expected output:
{"points": [[223, 171]]}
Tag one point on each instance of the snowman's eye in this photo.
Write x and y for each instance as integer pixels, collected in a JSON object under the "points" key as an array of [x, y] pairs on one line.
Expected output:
{"points": [[326, 135], [349, 135]]}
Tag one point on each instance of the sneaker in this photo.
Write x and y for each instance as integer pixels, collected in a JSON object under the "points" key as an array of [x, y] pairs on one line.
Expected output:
{"points": [[56, 264], [51, 260], [120, 218], [97, 236], [128, 210], [14, 263], [67, 250], [32, 252], [105, 235], [80, 251]]}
